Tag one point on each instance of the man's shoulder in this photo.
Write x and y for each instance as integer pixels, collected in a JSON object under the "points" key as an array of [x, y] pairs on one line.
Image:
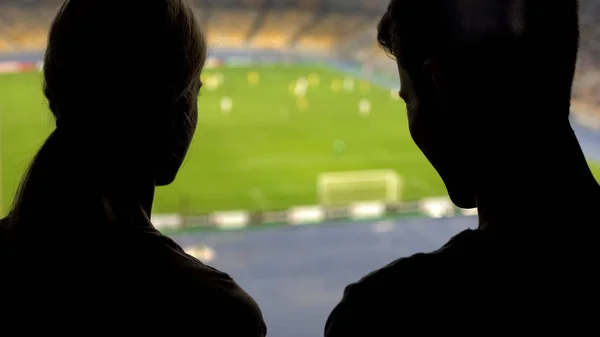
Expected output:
{"points": [[399, 290], [399, 278], [416, 270]]}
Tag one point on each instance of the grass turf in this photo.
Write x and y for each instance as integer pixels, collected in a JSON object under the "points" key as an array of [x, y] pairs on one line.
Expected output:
{"points": [[266, 153]]}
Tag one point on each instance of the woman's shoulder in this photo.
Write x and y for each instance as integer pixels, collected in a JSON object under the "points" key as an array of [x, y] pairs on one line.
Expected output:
{"points": [[193, 276], [232, 311], [229, 308]]}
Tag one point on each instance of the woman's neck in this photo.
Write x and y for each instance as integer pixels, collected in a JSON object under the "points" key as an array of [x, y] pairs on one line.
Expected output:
{"points": [[135, 196]]}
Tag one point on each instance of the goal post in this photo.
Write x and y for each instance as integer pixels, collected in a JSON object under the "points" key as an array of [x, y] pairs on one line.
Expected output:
{"points": [[342, 188]]}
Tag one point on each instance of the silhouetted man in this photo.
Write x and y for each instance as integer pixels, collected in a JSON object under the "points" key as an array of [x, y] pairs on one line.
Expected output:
{"points": [[487, 86]]}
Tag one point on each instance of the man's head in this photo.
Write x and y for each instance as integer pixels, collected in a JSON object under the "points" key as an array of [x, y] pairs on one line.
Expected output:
{"points": [[470, 68]]}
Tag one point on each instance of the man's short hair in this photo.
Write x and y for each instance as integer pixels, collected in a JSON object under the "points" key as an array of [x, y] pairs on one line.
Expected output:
{"points": [[415, 30]]}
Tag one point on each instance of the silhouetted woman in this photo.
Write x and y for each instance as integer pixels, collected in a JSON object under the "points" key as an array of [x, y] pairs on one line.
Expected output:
{"points": [[122, 79]]}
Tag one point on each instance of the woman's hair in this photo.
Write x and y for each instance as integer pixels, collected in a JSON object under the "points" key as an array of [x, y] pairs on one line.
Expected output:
{"points": [[121, 78]]}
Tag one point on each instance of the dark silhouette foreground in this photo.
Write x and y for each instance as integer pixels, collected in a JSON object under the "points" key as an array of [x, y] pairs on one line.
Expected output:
{"points": [[78, 249], [487, 86]]}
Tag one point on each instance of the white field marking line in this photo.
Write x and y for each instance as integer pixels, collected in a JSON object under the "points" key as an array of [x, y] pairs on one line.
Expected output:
{"points": [[259, 198]]}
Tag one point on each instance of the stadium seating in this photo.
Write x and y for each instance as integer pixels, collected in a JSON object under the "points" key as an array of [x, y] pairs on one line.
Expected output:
{"points": [[375, 5], [230, 3], [24, 29], [371, 52], [587, 79], [308, 4], [230, 28], [336, 27], [329, 30], [255, 3], [278, 27]]}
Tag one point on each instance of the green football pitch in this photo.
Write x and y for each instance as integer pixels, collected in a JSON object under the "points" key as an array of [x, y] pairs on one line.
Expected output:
{"points": [[258, 146]]}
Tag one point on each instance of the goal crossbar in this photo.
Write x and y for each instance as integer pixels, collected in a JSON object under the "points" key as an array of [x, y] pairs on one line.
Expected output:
{"points": [[390, 177]]}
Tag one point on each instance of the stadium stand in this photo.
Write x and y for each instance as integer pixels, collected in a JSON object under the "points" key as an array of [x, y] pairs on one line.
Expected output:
{"points": [[344, 29], [24, 28], [588, 68], [278, 27], [370, 52], [229, 28], [329, 29], [586, 89], [308, 4]]}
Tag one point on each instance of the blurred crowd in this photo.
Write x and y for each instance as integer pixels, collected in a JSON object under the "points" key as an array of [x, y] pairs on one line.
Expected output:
{"points": [[587, 84], [344, 29], [320, 26]]}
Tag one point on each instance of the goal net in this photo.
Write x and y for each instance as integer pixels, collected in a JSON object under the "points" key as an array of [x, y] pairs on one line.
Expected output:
{"points": [[342, 188]]}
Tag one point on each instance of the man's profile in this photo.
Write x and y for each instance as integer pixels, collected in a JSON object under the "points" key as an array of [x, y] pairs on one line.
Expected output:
{"points": [[487, 86]]}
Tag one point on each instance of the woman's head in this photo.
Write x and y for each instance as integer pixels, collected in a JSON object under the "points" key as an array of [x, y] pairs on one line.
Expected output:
{"points": [[122, 80], [125, 75]]}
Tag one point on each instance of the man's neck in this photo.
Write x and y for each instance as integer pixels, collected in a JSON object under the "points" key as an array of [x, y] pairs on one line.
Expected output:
{"points": [[538, 184]]}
